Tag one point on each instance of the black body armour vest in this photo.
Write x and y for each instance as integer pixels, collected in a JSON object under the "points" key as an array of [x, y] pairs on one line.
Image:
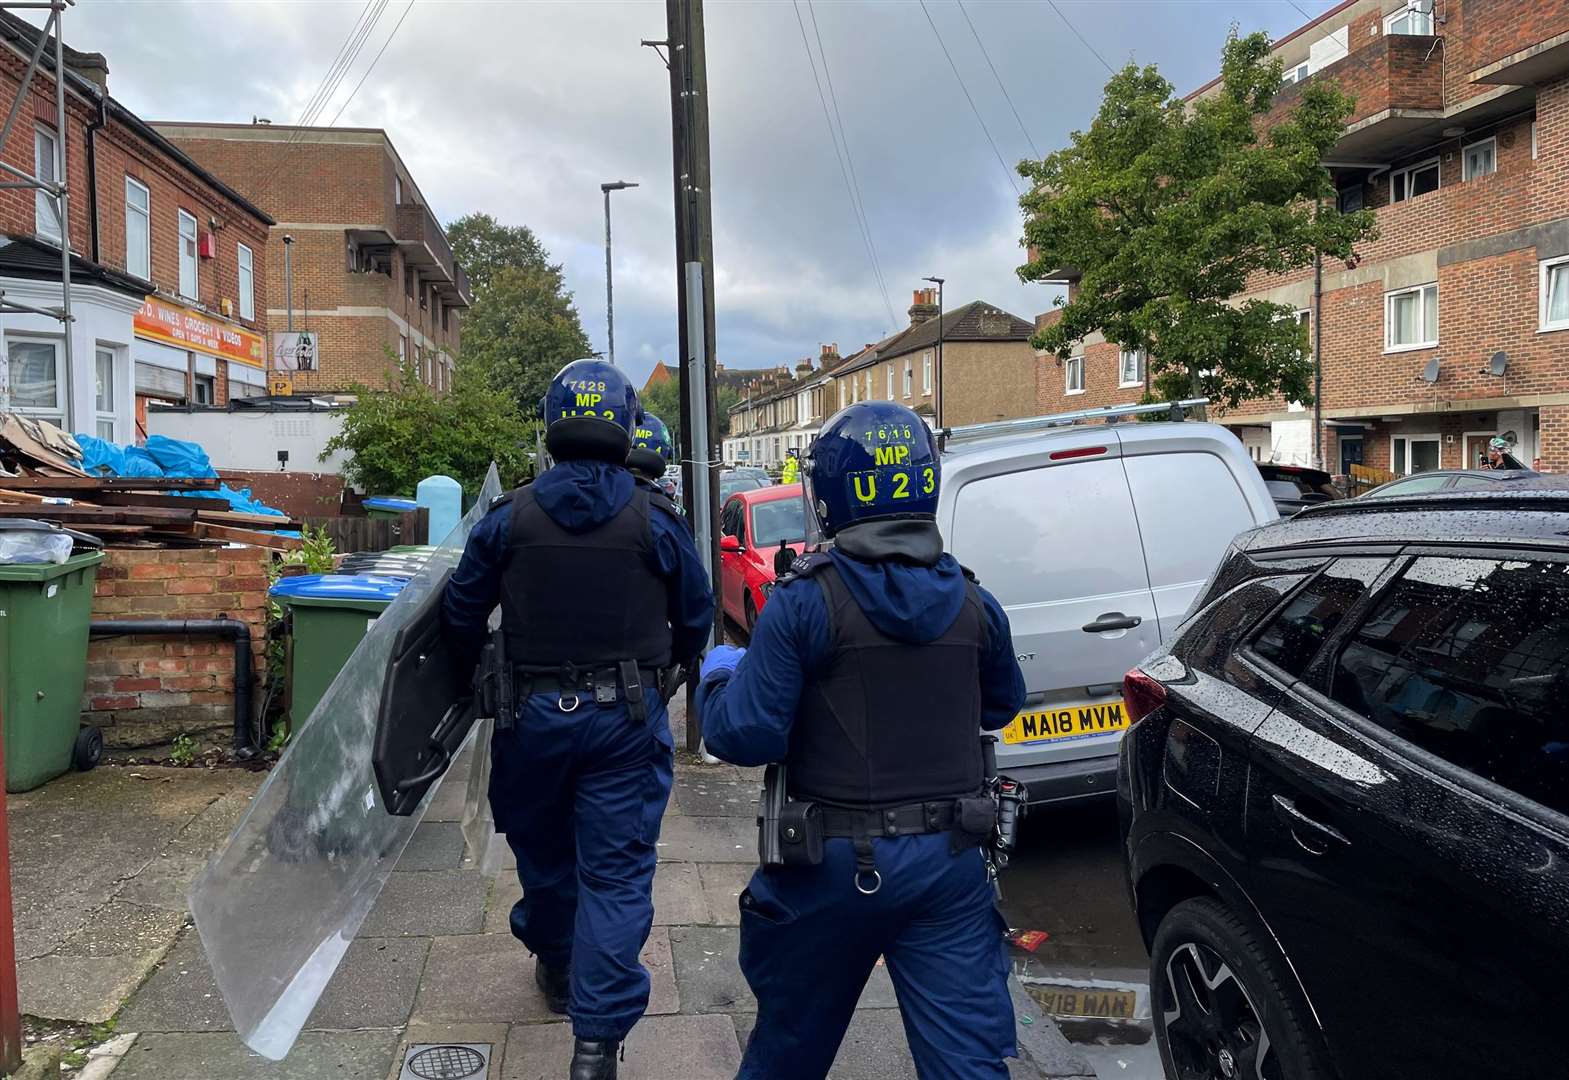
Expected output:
{"points": [[884, 722], [585, 600]]}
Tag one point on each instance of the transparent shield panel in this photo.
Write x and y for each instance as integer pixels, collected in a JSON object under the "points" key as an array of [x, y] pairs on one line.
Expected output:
{"points": [[279, 904]]}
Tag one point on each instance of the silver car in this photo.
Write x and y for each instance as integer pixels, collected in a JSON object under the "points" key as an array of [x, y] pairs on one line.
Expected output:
{"points": [[1095, 539]]}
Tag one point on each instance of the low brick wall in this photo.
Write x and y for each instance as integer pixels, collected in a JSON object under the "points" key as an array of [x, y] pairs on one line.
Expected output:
{"points": [[143, 691]]}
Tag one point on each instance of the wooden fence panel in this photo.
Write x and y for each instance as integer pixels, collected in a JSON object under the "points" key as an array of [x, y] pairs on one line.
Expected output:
{"points": [[1365, 478], [350, 534]]}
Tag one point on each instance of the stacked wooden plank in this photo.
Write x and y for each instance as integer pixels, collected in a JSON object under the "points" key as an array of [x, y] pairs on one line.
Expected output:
{"points": [[141, 510]]}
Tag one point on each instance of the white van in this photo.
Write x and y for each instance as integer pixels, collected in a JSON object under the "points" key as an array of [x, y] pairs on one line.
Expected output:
{"points": [[1095, 539]]}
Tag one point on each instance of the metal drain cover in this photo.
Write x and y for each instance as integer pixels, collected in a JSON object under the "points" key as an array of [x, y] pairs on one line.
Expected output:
{"points": [[447, 1061]]}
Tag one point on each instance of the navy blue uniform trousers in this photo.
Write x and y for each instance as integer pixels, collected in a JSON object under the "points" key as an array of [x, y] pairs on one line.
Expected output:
{"points": [[810, 940], [580, 796]]}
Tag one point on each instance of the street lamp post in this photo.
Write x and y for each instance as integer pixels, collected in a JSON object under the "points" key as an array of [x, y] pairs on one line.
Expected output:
{"points": [[937, 401], [610, 307]]}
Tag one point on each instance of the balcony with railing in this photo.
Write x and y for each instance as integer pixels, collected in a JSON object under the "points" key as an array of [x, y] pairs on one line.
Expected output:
{"points": [[425, 249]]}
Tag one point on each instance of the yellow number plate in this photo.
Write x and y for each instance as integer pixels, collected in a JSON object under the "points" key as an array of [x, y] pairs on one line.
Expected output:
{"points": [[1068, 722], [1071, 1001]]}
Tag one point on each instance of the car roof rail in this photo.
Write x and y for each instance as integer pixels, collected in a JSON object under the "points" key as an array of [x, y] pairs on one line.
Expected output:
{"points": [[1177, 410]]}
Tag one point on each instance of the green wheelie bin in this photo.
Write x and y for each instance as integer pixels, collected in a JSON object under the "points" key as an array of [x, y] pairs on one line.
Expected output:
{"points": [[331, 613], [45, 615]]}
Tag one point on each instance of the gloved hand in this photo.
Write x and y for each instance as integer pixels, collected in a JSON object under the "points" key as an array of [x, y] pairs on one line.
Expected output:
{"points": [[721, 658]]}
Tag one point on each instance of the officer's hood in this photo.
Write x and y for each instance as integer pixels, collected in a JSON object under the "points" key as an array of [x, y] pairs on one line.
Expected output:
{"points": [[580, 496], [900, 576]]}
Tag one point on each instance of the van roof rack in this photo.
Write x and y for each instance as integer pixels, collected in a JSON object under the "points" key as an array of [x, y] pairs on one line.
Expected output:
{"points": [[1177, 410]]}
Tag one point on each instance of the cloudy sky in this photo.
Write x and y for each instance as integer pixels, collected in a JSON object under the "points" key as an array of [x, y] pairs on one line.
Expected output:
{"points": [[522, 109]]}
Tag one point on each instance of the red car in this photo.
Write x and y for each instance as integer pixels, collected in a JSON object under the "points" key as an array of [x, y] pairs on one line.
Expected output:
{"points": [[752, 528]]}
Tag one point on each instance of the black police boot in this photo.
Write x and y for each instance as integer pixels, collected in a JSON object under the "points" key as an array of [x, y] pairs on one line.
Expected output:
{"points": [[594, 1060], [555, 984]]}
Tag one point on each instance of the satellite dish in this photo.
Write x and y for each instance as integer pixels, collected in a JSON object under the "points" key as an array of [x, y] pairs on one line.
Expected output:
{"points": [[1499, 363], [1430, 372]]}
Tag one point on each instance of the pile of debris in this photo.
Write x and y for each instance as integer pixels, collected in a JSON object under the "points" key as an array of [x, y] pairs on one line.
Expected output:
{"points": [[41, 476]]}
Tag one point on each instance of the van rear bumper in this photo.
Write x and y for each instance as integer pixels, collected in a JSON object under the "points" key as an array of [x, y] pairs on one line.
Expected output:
{"points": [[1065, 781]]}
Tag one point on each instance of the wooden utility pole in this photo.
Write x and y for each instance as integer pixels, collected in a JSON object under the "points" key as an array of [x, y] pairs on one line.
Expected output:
{"points": [[695, 294]]}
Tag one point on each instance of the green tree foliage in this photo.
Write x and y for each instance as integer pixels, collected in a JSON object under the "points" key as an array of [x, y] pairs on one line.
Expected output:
{"points": [[398, 437], [523, 326], [663, 399], [1165, 208]]}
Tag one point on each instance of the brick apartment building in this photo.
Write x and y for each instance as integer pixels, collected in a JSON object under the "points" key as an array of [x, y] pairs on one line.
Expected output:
{"points": [[169, 264], [373, 272], [1452, 326]]}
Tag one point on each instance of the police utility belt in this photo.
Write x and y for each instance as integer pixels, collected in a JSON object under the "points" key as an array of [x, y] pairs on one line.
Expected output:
{"points": [[791, 832], [501, 687]]}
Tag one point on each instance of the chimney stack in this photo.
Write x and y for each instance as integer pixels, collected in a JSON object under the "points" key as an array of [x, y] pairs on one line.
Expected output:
{"points": [[925, 306]]}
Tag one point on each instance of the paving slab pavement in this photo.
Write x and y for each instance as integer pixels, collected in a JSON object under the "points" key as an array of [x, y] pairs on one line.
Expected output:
{"points": [[433, 963]]}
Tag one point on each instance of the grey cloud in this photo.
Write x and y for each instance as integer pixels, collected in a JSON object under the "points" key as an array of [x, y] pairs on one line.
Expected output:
{"points": [[522, 109]]}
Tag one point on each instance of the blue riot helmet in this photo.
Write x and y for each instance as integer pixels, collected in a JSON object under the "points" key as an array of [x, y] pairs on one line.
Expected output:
{"points": [[590, 412], [871, 461], [651, 452]]}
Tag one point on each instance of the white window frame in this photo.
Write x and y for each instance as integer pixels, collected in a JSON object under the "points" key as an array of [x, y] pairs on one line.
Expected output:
{"points": [[1434, 438], [1466, 172], [403, 349], [1123, 382], [1400, 180], [397, 189], [139, 219], [1296, 74], [909, 376], [1389, 322], [191, 261], [102, 416], [1069, 366], [61, 414], [926, 373], [868, 384], [889, 381], [199, 383], [245, 260], [1544, 278], [46, 207], [1407, 11]]}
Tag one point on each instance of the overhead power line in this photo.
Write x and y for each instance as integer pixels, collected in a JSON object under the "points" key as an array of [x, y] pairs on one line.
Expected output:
{"points": [[370, 15], [1022, 129], [855, 206], [1082, 39], [1298, 6], [1012, 180], [396, 27], [855, 181]]}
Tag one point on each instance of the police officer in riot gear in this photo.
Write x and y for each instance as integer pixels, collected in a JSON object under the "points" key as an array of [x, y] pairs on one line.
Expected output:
{"points": [[870, 674], [601, 590], [651, 453]]}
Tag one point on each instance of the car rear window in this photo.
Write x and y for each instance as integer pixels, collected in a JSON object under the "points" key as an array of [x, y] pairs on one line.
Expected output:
{"points": [[1293, 637], [1051, 534], [1189, 507], [778, 519], [1466, 658]]}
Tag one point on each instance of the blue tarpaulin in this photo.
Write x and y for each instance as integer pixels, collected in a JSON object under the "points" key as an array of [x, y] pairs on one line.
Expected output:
{"points": [[163, 456]]}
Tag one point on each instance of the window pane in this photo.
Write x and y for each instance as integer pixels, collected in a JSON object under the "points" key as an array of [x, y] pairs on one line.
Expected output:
{"points": [[106, 430], [187, 255], [105, 372], [137, 238], [1424, 180], [1558, 292], [1430, 313], [45, 167], [1293, 637], [247, 284], [1424, 455], [1466, 659], [1398, 461], [34, 375], [1404, 313]]}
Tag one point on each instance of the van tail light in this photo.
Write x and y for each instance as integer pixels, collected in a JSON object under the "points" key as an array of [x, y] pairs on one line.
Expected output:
{"points": [[1141, 695]]}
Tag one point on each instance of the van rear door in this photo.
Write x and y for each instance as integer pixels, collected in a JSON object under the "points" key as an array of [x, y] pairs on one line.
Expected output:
{"points": [[1057, 543]]}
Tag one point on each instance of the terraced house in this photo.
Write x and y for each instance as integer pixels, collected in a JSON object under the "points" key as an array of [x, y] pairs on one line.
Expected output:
{"points": [[1452, 326]]}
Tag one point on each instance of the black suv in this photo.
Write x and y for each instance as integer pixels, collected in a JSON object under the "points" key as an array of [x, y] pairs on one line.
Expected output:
{"points": [[1345, 797]]}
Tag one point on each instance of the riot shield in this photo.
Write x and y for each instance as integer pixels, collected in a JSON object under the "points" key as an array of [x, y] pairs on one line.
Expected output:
{"points": [[278, 906]]}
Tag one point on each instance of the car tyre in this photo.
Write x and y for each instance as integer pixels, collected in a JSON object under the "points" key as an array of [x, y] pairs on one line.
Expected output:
{"points": [[1224, 1004], [751, 614]]}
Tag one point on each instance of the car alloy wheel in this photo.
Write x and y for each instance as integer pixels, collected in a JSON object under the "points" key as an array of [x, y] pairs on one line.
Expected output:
{"points": [[1212, 1027]]}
